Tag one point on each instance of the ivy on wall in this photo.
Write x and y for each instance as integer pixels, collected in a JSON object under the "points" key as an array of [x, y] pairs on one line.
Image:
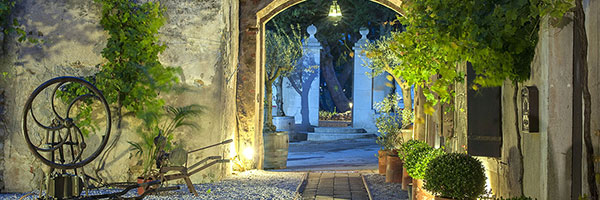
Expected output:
{"points": [[497, 37]]}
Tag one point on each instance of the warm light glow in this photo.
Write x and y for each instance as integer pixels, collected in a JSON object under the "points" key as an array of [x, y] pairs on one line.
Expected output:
{"points": [[334, 10], [350, 104], [248, 153]]}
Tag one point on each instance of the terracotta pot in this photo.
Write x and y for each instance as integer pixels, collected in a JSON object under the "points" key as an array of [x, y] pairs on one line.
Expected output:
{"points": [[141, 190], [419, 193], [393, 171], [406, 179], [382, 155]]}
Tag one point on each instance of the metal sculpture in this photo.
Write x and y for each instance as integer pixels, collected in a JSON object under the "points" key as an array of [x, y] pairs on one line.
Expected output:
{"points": [[62, 142], [59, 140]]}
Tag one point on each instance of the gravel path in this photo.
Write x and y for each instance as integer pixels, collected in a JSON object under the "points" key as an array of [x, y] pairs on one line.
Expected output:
{"points": [[380, 190], [254, 184]]}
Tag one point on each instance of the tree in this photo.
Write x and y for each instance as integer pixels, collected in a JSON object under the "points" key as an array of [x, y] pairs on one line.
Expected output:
{"points": [[383, 60], [337, 37], [283, 50]]}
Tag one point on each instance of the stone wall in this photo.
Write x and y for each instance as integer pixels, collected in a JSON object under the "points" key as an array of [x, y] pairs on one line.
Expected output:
{"points": [[202, 39]]}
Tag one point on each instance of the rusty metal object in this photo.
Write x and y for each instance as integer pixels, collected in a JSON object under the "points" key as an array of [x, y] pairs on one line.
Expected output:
{"points": [[56, 137], [62, 134]]}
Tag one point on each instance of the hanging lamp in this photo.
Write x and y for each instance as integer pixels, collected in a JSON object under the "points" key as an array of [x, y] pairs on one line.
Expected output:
{"points": [[334, 10]]}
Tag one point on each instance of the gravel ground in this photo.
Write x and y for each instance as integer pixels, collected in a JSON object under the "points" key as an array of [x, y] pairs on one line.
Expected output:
{"points": [[254, 184], [380, 190]]}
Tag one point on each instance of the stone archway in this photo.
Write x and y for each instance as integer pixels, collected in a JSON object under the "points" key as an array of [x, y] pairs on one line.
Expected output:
{"points": [[254, 14]]}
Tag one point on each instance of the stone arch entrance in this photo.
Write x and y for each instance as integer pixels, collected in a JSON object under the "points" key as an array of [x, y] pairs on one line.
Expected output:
{"points": [[254, 14]]}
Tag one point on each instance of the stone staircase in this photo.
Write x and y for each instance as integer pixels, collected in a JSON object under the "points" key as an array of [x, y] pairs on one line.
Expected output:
{"points": [[337, 133]]}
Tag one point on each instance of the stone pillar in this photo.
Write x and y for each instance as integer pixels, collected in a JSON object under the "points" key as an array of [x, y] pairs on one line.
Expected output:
{"points": [[362, 109], [304, 106], [311, 76]]}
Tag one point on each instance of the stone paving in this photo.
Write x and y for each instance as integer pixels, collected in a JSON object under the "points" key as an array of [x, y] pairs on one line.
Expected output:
{"points": [[334, 185]]}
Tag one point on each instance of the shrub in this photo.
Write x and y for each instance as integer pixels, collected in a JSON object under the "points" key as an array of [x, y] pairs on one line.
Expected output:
{"points": [[455, 175], [389, 123], [417, 155]]}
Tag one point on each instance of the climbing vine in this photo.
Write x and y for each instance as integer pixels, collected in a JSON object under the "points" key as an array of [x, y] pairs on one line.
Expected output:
{"points": [[132, 76], [497, 37]]}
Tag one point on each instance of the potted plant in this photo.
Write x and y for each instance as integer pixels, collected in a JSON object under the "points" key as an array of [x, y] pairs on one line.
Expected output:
{"points": [[389, 126], [157, 135], [417, 155], [455, 176]]}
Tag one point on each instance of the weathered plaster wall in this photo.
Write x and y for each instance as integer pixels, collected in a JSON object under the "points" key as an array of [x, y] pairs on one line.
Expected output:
{"points": [[202, 39]]}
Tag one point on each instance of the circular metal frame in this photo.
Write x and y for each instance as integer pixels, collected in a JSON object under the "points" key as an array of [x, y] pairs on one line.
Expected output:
{"points": [[64, 122]]}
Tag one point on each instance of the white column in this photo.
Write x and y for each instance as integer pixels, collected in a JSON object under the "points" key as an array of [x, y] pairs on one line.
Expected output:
{"points": [[362, 109]]}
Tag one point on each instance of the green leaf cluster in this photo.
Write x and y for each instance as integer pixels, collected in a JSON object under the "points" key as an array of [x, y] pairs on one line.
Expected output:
{"points": [[162, 125], [456, 176], [417, 155], [497, 36], [390, 122], [8, 26], [133, 76]]}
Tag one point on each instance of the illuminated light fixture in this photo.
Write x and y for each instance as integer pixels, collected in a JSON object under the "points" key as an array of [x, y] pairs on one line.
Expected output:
{"points": [[334, 10], [248, 153]]}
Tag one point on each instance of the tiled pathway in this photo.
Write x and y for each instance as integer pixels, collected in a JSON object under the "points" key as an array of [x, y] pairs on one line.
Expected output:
{"points": [[333, 186]]}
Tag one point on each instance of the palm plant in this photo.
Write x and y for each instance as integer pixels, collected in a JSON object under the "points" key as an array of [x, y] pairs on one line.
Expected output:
{"points": [[158, 132]]}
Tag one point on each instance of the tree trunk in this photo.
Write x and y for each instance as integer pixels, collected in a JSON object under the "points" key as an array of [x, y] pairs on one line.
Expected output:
{"points": [[333, 85], [279, 96], [269, 127], [407, 98], [346, 74], [580, 58], [419, 125]]}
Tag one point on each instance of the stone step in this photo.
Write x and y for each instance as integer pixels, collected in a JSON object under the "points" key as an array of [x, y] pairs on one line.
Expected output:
{"points": [[339, 130], [319, 136]]}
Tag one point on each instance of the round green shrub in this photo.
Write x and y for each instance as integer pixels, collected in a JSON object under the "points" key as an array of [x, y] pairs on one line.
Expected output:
{"points": [[417, 155], [455, 175]]}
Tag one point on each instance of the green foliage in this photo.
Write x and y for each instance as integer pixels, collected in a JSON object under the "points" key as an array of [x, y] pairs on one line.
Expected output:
{"points": [[455, 175], [389, 124], [417, 156], [497, 37], [162, 124], [133, 76], [283, 50], [8, 26]]}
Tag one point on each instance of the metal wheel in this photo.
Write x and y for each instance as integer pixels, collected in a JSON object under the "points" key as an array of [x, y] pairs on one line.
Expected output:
{"points": [[59, 141]]}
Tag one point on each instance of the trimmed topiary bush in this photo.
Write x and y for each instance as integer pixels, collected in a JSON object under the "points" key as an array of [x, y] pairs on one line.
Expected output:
{"points": [[455, 175], [417, 155]]}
